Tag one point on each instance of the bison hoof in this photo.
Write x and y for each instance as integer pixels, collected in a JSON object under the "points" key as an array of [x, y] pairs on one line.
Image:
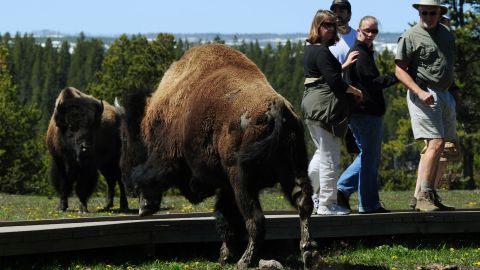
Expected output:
{"points": [[146, 212], [311, 259]]}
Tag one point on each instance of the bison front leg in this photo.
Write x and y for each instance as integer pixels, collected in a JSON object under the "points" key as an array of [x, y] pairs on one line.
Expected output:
{"points": [[61, 183], [87, 181]]}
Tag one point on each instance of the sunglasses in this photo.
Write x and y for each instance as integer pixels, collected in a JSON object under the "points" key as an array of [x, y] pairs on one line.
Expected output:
{"points": [[431, 13], [370, 31], [329, 25]]}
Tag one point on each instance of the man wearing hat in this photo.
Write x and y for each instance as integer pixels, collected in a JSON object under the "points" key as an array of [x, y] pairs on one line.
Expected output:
{"points": [[343, 11], [424, 64]]}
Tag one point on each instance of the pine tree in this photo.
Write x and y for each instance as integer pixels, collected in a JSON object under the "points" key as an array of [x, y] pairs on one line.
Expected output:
{"points": [[133, 63], [22, 159]]}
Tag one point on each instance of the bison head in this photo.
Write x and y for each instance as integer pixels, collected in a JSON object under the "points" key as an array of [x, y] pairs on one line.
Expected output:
{"points": [[78, 120]]}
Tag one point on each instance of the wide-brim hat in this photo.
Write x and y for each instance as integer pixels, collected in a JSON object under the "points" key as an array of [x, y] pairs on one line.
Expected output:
{"points": [[435, 3]]}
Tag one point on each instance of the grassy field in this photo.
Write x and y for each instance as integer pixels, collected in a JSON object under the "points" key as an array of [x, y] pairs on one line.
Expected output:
{"points": [[346, 254], [26, 207]]}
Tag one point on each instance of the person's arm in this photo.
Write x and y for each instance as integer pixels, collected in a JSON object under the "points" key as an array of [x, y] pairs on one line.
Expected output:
{"points": [[405, 78], [329, 67], [367, 72]]}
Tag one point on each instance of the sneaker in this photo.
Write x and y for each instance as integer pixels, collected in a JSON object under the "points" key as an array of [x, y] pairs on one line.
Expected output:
{"points": [[342, 200], [332, 209], [440, 205], [413, 203], [316, 202], [426, 202]]}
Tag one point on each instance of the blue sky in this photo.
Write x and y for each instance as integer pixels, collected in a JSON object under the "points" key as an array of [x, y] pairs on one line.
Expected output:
{"points": [[114, 17]]}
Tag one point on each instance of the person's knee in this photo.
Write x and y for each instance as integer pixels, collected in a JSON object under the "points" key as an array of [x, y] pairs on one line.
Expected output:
{"points": [[436, 145]]}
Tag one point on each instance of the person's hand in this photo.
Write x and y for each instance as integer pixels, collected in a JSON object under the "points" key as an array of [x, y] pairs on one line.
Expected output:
{"points": [[355, 92], [352, 58], [426, 98]]}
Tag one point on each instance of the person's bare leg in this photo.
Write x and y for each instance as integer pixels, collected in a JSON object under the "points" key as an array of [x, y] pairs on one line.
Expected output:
{"points": [[427, 174], [429, 163]]}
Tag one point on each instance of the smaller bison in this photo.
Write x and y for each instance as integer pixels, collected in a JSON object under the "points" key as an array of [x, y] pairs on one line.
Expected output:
{"points": [[82, 138]]}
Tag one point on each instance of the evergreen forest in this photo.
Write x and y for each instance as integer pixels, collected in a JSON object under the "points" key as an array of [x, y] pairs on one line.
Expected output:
{"points": [[32, 74]]}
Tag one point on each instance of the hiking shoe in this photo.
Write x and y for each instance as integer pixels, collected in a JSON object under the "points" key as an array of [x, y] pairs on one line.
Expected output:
{"points": [[413, 203], [380, 210], [440, 205], [333, 209], [426, 202], [316, 202], [342, 200]]}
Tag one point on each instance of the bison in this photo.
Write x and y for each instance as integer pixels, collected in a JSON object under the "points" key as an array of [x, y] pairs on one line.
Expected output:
{"points": [[215, 126], [83, 137]]}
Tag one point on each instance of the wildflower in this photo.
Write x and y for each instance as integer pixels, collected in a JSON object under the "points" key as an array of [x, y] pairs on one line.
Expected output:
{"points": [[394, 257], [476, 263], [393, 268], [472, 203], [452, 250]]}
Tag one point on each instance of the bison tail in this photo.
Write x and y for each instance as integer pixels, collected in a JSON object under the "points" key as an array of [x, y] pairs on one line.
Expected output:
{"points": [[284, 146], [262, 151]]}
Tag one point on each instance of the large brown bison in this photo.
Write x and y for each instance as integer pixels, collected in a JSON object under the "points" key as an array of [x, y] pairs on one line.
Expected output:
{"points": [[215, 126], [84, 136]]}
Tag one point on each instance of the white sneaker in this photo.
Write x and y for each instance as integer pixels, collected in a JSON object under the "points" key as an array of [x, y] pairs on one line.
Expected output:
{"points": [[332, 209], [316, 202]]}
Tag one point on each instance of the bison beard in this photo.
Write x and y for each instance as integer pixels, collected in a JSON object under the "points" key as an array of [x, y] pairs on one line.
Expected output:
{"points": [[83, 137], [215, 126]]}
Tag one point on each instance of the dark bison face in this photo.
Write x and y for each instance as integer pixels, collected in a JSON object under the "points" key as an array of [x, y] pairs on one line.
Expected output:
{"points": [[78, 120], [148, 187]]}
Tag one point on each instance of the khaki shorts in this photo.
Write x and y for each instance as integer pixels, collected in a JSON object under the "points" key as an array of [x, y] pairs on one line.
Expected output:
{"points": [[433, 121], [451, 152]]}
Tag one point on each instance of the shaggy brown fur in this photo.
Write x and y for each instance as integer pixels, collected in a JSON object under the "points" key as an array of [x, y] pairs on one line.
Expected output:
{"points": [[216, 126], [83, 137]]}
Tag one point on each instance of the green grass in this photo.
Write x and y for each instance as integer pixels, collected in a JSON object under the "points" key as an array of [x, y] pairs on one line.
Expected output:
{"points": [[28, 207], [347, 254]]}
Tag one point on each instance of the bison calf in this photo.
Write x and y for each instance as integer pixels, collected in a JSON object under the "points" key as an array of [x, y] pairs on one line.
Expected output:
{"points": [[82, 138]]}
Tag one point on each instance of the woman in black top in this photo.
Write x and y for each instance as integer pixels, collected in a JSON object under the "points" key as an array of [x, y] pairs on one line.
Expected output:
{"points": [[365, 123], [325, 107]]}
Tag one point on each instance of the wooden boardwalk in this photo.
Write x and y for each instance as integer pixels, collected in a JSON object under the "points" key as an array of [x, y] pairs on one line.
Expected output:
{"points": [[35, 237]]}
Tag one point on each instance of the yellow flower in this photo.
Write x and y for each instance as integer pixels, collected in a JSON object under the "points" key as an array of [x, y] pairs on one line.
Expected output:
{"points": [[393, 268], [472, 203], [476, 263], [394, 257], [452, 250]]}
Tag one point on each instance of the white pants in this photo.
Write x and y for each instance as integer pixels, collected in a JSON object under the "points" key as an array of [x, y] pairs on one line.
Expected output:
{"points": [[324, 167]]}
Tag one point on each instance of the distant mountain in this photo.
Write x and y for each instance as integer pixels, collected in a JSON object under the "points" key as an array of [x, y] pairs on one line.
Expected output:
{"points": [[384, 40]]}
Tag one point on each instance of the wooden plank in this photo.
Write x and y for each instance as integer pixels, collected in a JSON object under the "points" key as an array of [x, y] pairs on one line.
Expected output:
{"points": [[78, 234]]}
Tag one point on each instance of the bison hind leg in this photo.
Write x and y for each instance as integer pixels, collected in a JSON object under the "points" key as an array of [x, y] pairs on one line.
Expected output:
{"points": [[299, 192], [230, 226]]}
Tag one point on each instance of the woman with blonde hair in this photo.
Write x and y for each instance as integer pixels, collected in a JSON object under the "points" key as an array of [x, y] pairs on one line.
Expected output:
{"points": [[325, 105]]}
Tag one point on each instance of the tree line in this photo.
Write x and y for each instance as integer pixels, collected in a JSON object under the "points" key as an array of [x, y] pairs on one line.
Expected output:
{"points": [[33, 74]]}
